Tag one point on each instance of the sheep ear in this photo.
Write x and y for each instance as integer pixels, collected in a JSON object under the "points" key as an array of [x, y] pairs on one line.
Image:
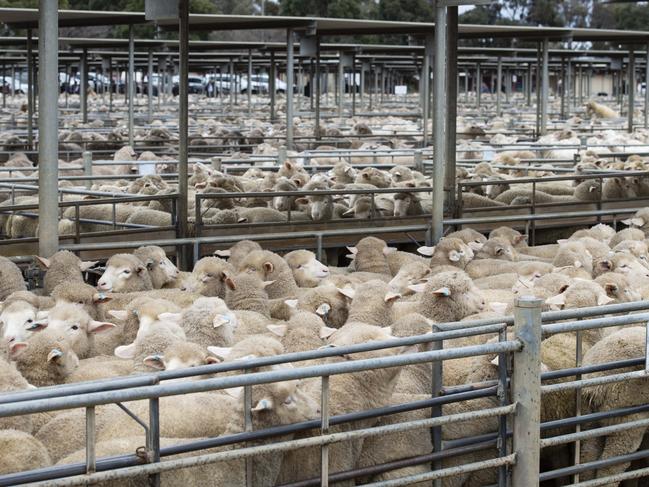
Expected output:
{"points": [[263, 405], [563, 241], [302, 201], [442, 291], [119, 314], [323, 309], [265, 284], [298, 182], [495, 361], [499, 251], [559, 299], [351, 211], [634, 222], [125, 351], [155, 361], [54, 355], [605, 264], [209, 360], [99, 326], [326, 332], [291, 303], [43, 262], [499, 308], [268, 267], [16, 348], [279, 330], [220, 320], [347, 292], [427, 251], [603, 299], [454, 256], [352, 250], [170, 317], [418, 288], [389, 250], [391, 296], [100, 298], [288, 165], [242, 220], [230, 283], [519, 238], [611, 287], [140, 269], [85, 265], [222, 253], [220, 352]]}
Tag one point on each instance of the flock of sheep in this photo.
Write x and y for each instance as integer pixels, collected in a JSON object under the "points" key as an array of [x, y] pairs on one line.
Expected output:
{"points": [[145, 315]]}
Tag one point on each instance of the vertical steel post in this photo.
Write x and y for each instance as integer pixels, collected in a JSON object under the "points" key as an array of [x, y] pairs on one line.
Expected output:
{"points": [[341, 85], [528, 86], [289, 88], [499, 85], [324, 430], [318, 88], [154, 438], [110, 85], [373, 91], [451, 111], [545, 88], [563, 88], [30, 89], [466, 85], [580, 85], [568, 88], [271, 84], [425, 74], [439, 121], [183, 128], [631, 88], [87, 167], [91, 440], [526, 391], [352, 84], [249, 82], [83, 85], [131, 84], [362, 85], [48, 143], [150, 87], [4, 81], [478, 86], [646, 89]]}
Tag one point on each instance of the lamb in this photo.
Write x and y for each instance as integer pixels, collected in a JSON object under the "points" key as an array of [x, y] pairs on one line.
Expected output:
{"points": [[63, 266], [618, 188], [100, 367], [328, 302], [398, 259], [21, 452], [181, 355], [373, 176], [150, 217], [519, 242], [247, 292], [161, 270], [207, 277], [124, 273], [343, 173], [574, 253], [307, 270], [76, 326], [238, 251], [617, 287], [589, 190], [303, 331], [271, 267], [370, 255], [411, 273], [639, 220], [448, 252], [45, 360], [474, 239], [597, 110], [11, 278], [81, 294], [372, 304], [598, 232], [12, 380], [100, 212], [408, 204]]}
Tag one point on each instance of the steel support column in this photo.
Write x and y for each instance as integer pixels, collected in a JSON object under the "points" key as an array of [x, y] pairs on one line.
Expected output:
{"points": [[425, 74], [150, 88], [48, 145], [317, 88], [451, 111], [289, 88], [439, 121], [30, 90], [83, 85], [545, 88], [341, 85], [499, 85], [249, 82], [478, 84], [183, 129], [646, 90], [631, 77], [528, 86], [131, 84], [271, 85]]}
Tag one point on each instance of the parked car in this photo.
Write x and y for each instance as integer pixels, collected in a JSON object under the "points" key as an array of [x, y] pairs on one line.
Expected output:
{"points": [[260, 84], [195, 84]]}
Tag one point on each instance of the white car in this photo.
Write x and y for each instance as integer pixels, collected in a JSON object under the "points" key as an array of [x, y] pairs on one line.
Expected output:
{"points": [[260, 84]]}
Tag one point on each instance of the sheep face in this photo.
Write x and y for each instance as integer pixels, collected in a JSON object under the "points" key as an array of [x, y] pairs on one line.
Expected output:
{"points": [[497, 248], [120, 273], [282, 403], [409, 274], [307, 270], [20, 320]]}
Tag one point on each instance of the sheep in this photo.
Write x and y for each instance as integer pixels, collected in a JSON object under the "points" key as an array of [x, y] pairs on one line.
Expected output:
{"points": [[599, 232], [307, 270], [21, 452], [161, 270], [617, 287], [597, 110], [624, 344], [104, 212], [574, 253], [343, 172], [346, 395], [100, 367], [35, 300], [271, 267], [328, 302], [474, 239], [447, 296], [124, 273], [46, 359], [247, 292], [19, 320], [12, 380], [303, 331], [81, 294], [373, 176], [397, 260], [207, 277], [11, 278], [73, 323], [181, 355], [238, 251], [63, 266], [410, 273], [639, 220], [408, 204], [372, 304], [448, 252], [626, 234], [206, 321], [370, 255]]}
